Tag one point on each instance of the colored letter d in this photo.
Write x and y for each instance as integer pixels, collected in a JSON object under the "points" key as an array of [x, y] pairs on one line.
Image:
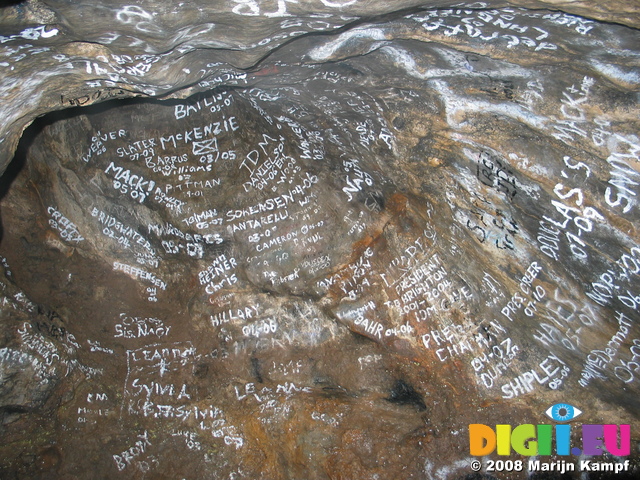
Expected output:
{"points": [[482, 440]]}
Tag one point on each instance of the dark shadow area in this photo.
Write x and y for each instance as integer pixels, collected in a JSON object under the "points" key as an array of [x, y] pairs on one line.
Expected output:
{"points": [[11, 3], [16, 165], [404, 394], [20, 156]]}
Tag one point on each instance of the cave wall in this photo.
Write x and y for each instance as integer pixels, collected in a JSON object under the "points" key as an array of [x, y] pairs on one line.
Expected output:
{"points": [[313, 239]]}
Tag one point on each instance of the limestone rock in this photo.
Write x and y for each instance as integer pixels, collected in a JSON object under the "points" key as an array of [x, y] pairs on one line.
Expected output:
{"points": [[338, 234]]}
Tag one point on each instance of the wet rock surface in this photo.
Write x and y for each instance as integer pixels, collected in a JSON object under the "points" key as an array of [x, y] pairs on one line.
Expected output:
{"points": [[339, 233]]}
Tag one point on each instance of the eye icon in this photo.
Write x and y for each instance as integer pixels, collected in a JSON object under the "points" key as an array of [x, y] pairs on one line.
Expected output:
{"points": [[563, 412]]}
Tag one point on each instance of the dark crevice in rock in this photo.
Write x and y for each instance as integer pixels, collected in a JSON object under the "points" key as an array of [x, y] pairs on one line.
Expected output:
{"points": [[404, 394]]}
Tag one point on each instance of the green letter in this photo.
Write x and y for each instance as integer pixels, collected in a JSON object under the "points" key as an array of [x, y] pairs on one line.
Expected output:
{"points": [[522, 435]]}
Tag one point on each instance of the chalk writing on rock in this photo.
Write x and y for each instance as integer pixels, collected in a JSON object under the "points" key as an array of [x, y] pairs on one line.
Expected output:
{"points": [[153, 384]]}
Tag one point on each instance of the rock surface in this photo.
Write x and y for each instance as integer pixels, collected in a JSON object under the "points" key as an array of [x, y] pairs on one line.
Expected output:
{"points": [[341, 233]]}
